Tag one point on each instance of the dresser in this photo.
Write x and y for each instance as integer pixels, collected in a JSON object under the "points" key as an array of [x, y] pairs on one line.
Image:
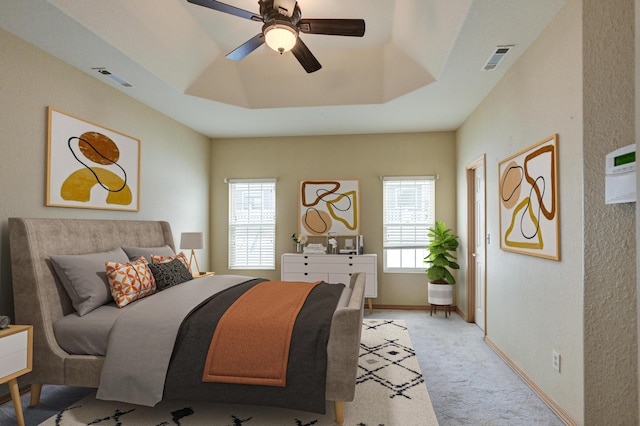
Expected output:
{"points": [[16, 346], [331, 268]]}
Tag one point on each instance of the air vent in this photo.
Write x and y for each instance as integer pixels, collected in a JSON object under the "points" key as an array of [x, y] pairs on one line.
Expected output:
{"points": [[112, 76], [496, 57]]}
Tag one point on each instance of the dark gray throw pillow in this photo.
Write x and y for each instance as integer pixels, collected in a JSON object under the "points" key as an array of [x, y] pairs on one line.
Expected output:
{"points": [[168, 274]]}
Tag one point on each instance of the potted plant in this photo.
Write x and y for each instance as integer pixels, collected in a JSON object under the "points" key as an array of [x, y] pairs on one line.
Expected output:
{"points": [[440, 260]]}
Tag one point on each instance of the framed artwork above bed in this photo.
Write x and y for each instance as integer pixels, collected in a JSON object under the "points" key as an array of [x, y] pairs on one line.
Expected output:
{"points": [[329, 206], [90, 166]]}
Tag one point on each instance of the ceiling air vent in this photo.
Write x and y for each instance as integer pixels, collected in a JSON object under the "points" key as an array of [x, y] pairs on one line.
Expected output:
{"points": [[496, 57], [112, 76]]}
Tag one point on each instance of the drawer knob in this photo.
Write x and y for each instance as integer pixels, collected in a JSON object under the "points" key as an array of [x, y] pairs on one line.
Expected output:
{"points": [[305, 264], [351, 264]]}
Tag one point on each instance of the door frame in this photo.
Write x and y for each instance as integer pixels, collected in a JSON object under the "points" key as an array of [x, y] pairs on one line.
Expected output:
{"points": [[471, 228]]}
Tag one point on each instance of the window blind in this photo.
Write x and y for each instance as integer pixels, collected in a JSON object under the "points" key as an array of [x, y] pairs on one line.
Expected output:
{"points": [[408, 211], [252, 223]]}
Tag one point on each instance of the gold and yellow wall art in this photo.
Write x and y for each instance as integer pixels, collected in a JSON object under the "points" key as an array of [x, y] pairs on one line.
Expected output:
{"points": [[528, 196], [329, 206], [90, 166]]}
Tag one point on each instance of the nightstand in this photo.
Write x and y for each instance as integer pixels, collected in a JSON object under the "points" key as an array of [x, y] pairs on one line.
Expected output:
{"points": [[202, 274], [16, 355]]}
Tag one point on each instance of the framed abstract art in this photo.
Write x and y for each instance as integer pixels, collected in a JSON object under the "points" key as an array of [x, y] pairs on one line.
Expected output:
{"points": [[528, 196], [90, 166], [329, 206]]}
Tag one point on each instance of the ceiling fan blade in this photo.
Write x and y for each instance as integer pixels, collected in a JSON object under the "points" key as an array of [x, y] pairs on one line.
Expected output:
{"points": [[246, 48], [305, 57], [339, 27], [231, 10]]}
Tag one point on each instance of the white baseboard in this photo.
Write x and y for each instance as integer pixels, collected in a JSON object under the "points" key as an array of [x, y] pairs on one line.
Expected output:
{"points": [[564, 416]]}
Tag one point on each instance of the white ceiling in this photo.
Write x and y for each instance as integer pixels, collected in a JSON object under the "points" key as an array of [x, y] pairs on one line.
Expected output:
{"points": [[418, 67]]}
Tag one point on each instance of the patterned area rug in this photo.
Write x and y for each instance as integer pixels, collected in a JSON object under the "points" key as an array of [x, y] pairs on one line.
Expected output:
{"points": [[390, 391]]}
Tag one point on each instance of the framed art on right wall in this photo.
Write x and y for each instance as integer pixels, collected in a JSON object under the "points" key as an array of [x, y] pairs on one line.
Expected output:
{"points": [[528, 195]]}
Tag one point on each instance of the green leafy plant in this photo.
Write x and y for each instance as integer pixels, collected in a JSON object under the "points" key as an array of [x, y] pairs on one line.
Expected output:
{"points": [[440, 258]]}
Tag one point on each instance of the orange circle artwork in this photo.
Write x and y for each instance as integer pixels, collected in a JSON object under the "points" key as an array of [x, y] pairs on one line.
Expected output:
{"points": [[316, 222], [511, 185], [99, 148]]}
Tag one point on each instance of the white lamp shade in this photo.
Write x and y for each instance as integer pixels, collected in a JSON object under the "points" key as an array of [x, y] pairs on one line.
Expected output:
{"points": [[280, 38], [192, 240]]}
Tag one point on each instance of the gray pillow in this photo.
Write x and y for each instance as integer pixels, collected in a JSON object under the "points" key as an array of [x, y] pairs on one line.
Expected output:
{"points": [[171, 273], [135, 252], [84, 277]]}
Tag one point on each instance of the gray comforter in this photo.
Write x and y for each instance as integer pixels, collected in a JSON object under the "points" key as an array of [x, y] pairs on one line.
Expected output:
{"points": [[142, 339], [306, 377], [144, 366]]}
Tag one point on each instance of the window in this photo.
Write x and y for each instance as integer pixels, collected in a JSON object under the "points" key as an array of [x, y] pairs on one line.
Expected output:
{"points": [[252, 223], [408, 210]]}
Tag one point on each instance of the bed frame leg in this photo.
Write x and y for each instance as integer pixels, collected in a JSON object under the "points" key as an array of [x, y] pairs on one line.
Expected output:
{"points": [[36, 389], [339, 407]]}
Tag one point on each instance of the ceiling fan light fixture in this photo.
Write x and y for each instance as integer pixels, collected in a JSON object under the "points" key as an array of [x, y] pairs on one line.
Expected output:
{"points": [[280, 37]]}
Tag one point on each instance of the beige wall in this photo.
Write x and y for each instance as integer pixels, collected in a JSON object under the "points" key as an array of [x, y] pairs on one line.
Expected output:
{"points": [[637, 130], [610, 281], [363, 157], [534, 305], [174, 161]]}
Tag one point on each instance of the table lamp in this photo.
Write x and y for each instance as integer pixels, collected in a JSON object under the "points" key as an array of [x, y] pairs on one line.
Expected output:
{"points": [[192, 241]]}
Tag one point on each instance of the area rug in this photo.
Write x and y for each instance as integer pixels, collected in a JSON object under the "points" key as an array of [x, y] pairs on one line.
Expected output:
{"points": [[390, 391]]}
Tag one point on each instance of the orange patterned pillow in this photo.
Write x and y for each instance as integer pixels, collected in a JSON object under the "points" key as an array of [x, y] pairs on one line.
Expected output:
{"points": [[130, 281], [163, 259]]}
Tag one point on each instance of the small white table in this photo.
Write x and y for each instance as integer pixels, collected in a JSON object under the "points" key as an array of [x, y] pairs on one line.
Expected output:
{"points": [[16, 358]]}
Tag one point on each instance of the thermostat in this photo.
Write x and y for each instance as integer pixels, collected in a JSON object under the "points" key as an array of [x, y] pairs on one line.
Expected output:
{"points": [[620, 178]]}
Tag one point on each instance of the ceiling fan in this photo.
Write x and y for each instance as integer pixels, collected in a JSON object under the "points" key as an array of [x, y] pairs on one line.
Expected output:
{"points": [[282, 24]]}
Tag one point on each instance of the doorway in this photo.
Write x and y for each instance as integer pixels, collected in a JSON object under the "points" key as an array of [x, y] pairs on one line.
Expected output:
{"points": [[476, 243]]}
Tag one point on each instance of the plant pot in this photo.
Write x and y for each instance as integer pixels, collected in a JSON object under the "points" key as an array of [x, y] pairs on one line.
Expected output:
{"points": [[440, 294]]}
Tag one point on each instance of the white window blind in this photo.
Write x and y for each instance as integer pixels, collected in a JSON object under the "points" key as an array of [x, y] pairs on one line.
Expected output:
{"points": [[408, 211], [252, 223]]}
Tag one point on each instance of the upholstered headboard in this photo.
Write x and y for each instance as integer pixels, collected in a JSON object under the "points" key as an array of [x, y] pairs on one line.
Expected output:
{"points": [[39, 298]]}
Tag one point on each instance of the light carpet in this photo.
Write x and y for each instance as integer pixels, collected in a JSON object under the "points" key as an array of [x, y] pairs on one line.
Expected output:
{"points": [[390, 390]]}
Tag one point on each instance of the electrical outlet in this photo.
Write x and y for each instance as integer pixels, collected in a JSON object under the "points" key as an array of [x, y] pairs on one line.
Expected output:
{"points": [[555, 363]]}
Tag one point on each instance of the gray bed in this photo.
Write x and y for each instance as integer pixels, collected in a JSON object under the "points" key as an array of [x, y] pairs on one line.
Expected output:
{"points": [[41, 300]]}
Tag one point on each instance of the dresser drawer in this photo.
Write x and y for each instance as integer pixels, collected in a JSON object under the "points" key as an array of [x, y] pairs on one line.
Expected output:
{"points": [[305, 276], [294, 258], [336, 259], [331, 268], [353, 267], [13, 353], [325, 267], [301, 267]]}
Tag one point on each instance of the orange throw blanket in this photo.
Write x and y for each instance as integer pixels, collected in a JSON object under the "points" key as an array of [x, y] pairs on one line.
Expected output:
{"points": [[251, 342]]}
